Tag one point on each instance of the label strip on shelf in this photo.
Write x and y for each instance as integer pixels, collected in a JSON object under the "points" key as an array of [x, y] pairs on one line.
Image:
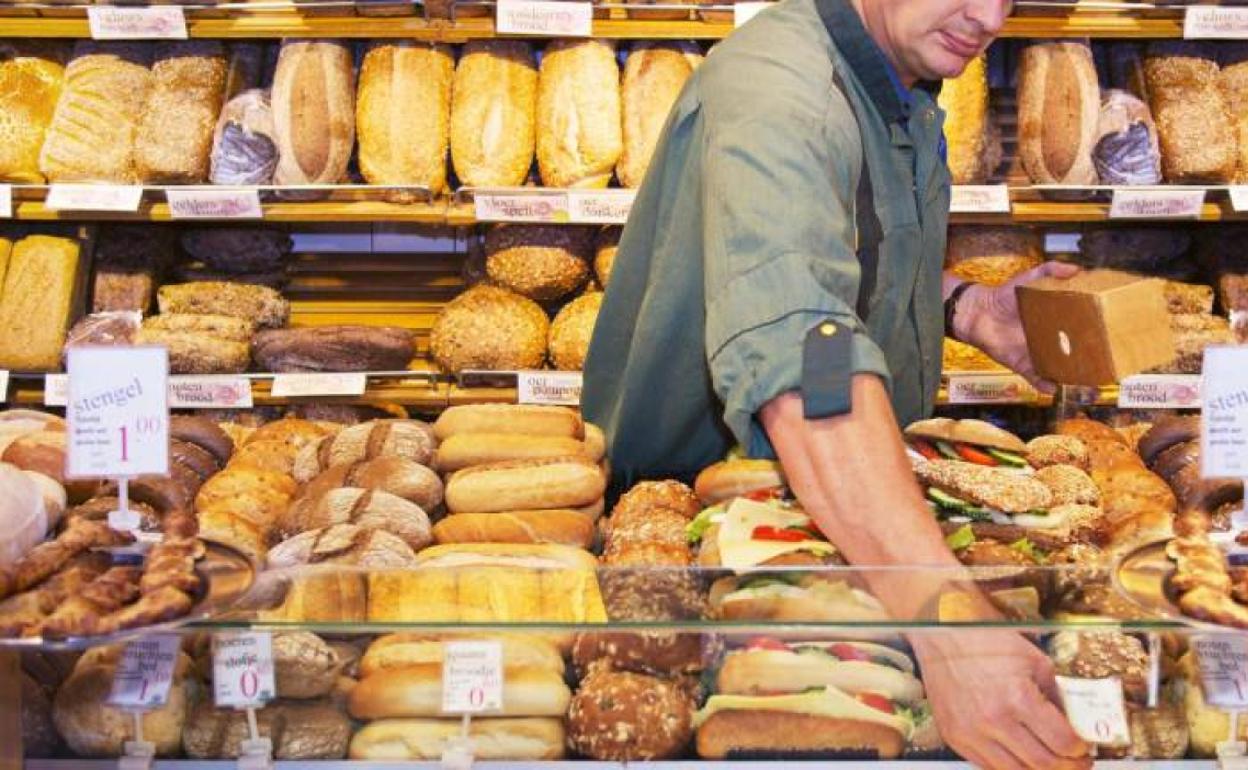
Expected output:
{"points": [[6, 201], [979, 199], [990, 389], [200, 203], [544, 207], [743, 12], [1157, 204], [94, 197], [319, 384], [600, 207], [1211, 22], [4, 385], [1159, 391], [56, 390], [1239, 197], [549, 388], [544, 17], [209, 392], [156, 22]]}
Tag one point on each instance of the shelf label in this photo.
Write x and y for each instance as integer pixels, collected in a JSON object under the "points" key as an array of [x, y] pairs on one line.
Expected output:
{"points": [[145, 673], [1095, 709], [319, 384], [4, 385], [743, 12], [549, 388], [1223, 662], [1156, 204], [472, 677], [242, 669], [1160, 391], [209, 392], [1215, 22], [94, 197], [118, 412], [979, 199], [6, 201], [1062, 243], [56, 390], [600, 207], [157, 22], [989, 389], [544, 17], [1239, 197], [214, 204], [1224, 429], [550, 207]]}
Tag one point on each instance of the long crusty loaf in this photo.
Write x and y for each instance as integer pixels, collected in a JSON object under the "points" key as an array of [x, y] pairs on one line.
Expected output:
{"points": [[174, 136], [368, 508], [493, 113], [334, 349], [313, 111], [468, 449], [1059, 104], [654, 75], [259, 304], [568, 482], [579, 133], [411, 439], [30, 84], [510, 739], [523, 419], [557, 526]]}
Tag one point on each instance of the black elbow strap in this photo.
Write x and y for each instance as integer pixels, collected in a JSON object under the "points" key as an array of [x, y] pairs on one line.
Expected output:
{"points": [[827, 370]]}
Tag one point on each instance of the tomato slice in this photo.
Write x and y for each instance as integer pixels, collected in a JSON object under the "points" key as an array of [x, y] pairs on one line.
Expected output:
{"points": [[973, 455], [777, 534], [766, 643], [848, 652], [765, 494], [877, 702], [926, 449]]}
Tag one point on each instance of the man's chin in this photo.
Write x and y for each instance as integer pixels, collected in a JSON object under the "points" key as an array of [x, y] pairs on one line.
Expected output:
{"points": [[943, 65]]}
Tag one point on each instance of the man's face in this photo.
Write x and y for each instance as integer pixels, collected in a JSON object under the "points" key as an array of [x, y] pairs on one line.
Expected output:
{"points": [[935, 39]]}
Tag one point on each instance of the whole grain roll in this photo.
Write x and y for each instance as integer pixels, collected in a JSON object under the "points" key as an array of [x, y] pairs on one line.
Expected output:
{"points": [[540, 262], [488, 327], [654, 75], [579, 129], [606, 244], [1059, 106], [313, 111], [991, 254], [571, 331], [494, 113], [973, 136]]}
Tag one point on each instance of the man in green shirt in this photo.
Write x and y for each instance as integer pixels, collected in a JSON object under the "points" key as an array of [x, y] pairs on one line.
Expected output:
{"points": [[779, 285]]}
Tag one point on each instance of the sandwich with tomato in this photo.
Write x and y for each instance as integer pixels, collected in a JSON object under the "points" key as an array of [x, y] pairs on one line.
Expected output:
{"points": [[761, 528], [793, 596], [737, 477], [971, 441]]}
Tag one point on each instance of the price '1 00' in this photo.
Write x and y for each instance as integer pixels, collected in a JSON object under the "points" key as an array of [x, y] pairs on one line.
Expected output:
{"points": [[143, 426]]}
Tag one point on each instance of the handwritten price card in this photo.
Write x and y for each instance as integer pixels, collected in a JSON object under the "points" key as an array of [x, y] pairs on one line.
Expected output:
{"points": [[242, 669], [118, 412]]}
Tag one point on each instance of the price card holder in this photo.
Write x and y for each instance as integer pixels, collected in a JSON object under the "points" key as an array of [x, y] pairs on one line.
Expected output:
{"points": [[1095, 709], [158, 22], [545, 207], [95, 197], [242, 678], [1239, 197], [1215, 23], [320, 384], [1156, 204], [544, 17], [6, 201], [214, 204], [979, 199], [472, 677], [549, 388]]}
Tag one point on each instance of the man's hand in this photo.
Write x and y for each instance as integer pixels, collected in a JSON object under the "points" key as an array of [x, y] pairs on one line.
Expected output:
{"points": [[987, 317], [993, 696]]}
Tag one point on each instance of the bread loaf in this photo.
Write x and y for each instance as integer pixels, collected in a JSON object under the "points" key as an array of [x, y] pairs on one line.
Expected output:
{"points": [[411, 439], [198, 352], [174, 137], [971, 131], [1058, 108], [990, 254], [493, 112], [488, 327], [468, 449], [334, 349], [396, 475], [30, 84], [39, 299], [366, 508], [606, 244], [654, 75], [313, 112], [1126, 151], [560, 483], [1193, 123], [515, 419], [300, 731], [119, 289], [523, 739], [1233, 80], [540, 262], [403, 114], [92, 135], [244, 150], [344, 544], [556, 526], [259, 304], [92, 728], [572, 330], [579, 133]]}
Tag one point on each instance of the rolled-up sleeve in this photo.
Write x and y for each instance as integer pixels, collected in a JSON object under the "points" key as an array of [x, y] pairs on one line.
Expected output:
{"points": [[781, 271]]}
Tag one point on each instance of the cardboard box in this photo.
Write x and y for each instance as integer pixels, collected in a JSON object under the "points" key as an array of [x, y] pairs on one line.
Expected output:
{"points": [[1096, 328]]}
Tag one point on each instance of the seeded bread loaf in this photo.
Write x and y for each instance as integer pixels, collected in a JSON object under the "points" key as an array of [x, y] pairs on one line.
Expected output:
{"points": [[579, 133], [493, 113]]}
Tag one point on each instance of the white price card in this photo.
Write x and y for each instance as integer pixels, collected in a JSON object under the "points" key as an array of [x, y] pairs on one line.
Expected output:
{"points": [[1062, 243], [600, 207], [56, 390], [1156, 204], [1215, 22], [1224, 429], [145, 672], [472, 677], [1239, 197], [157, 22], [989, 389], [549, 388], [319, 384], [1223, 662], [548, 206], [1159, 391], [6, 201], [743, 12], [93, 197], [118, 412], [214, 204], [209, 392], [242, 669], [544, 17], [4, 385], [979, 199], [1095, 709]]}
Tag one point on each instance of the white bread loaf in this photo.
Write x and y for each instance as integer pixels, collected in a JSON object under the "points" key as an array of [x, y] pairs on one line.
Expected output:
{"points": [[493, 113], [493, 740], [1059, 104], [313, 112], [568, 482], [579, 133], [654, 75]]}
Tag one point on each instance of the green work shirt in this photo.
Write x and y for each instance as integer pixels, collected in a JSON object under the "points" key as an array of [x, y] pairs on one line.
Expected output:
{"points": [[743, 244]]}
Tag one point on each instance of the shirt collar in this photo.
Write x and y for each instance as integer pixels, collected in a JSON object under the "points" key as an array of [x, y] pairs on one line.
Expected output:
{"points": [[871, 67]]}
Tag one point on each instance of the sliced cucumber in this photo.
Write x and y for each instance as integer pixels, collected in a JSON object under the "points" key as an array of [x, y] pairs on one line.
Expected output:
{"points": [[948, 450], [1006, 458], [946, 500]]}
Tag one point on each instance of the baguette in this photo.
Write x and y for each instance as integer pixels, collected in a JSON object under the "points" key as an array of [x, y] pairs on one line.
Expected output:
{"points": [[1059, 105], [493, 113], [509, 418], [559, 527], [579, 132], [313, 112], [557, 483], [465, 450], [416, 691], [654, 75]]}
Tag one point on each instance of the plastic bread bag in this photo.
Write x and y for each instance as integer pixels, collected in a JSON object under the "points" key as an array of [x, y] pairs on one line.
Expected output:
{"points": [[23, 515], [114, 328], [1126, 151], [243, 150]]}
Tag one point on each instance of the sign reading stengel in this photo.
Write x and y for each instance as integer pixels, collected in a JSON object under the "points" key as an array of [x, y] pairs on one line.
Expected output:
{"points": [[118, 412], [1224, 429], [544, 17]]}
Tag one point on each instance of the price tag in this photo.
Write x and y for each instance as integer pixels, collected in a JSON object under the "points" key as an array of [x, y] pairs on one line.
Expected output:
{"points": [[209, 392], [1062, 243], [1223, 662], [4, 385], [600, 207], [319, 384], [979, 199], [214, 204], [242, 669], [94, 197], [118, 412], [1213, 22], [1239, 197], [56, 390], [549, 388], [549, 207], [1224, 429], [472, 677], [1095, 709], [989, 389], [157, 22], [1156, 204], [543, 17], [743, 12], [1160, 391], [145, 672], [6, 201]]}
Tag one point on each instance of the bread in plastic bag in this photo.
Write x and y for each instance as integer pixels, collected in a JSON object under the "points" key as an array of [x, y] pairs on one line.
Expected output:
{"points": [[243, 150], [1126, 151]]}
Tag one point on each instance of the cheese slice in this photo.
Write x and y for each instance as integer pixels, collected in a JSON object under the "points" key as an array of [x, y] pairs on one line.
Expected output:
{"points": [[829, 702], [737, 547]]}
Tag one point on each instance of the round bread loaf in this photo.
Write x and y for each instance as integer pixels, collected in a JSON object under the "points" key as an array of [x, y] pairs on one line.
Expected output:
{"points": [[605, 247], [571, 331], [663, 654], [488, 327], [540, 262], [92, 728], [619, 716]]}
